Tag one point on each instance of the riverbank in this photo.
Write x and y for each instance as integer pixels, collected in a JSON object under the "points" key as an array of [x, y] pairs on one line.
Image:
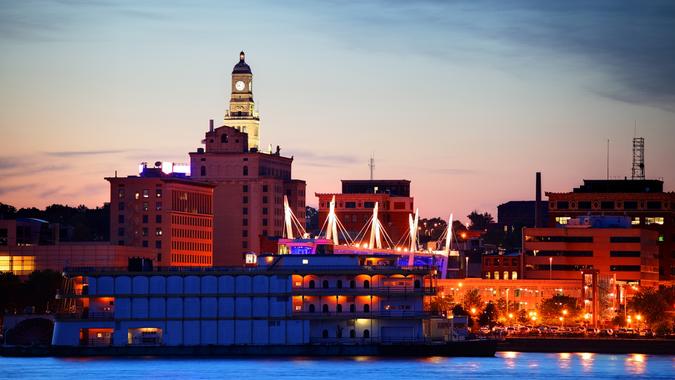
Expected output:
{"points": [[600, 346]]}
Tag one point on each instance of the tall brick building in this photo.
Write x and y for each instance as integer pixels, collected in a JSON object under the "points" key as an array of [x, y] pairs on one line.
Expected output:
{"points": [[249, 185]]}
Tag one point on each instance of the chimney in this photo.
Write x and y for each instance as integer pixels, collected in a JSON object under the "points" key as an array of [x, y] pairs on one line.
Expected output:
{"points": [[537, 202], [211, 125]]}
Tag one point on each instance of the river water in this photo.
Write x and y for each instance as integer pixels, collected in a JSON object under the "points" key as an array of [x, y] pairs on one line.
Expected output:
{"points": [[506, 365]]}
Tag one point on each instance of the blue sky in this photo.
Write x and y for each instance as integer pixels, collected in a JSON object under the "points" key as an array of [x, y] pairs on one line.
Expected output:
{"points": [[465, 98]]}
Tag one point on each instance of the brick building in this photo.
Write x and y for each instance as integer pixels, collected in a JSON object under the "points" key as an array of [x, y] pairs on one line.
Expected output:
{"points": [[644, 201], [166, 213], [354, 206]]}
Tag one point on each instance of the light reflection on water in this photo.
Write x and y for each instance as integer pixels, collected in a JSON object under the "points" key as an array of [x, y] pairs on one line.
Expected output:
{"points": [[505, 365]]}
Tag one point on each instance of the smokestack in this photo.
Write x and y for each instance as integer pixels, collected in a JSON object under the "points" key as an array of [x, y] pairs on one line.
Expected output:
{"points": [[211, 125], [537, 202]]}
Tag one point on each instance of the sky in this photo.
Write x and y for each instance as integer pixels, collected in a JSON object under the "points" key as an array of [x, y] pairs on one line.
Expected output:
{"points": [[467, 99]]}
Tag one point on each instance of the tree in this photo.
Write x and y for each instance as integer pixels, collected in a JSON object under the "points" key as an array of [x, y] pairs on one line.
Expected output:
{"points": [[480, 222], [551, 309], [40, 289], [10, 285], [489, 315], [440, 305], [311, 219], [472, 299], [7, 211], [654, 304], [505, 311]]}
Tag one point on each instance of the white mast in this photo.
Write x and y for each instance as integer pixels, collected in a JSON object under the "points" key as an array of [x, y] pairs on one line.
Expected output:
{"points": [[287, 219], [413, 222], [331, 228], [448, 238], [375, 237]]}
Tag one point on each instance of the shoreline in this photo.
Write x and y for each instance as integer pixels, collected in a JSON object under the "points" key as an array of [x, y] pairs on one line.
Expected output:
{"points": [[598, 346]]}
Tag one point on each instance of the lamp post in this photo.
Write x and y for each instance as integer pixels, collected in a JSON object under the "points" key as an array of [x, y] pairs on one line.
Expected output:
{"points": [[550, 268], [466, 266]]}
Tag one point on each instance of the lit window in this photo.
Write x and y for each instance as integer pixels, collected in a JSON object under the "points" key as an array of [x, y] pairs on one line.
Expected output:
{"points": [[562, 219], [496, 275], [158, 232], [137, 195], [654, 220], [514, 275], [146, 193], [305, 261], [158, 193], [635, 221]]}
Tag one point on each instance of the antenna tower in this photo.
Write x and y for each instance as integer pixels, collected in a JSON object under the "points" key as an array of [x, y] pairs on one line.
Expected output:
{"points": [[371, 165], [638, 158]]}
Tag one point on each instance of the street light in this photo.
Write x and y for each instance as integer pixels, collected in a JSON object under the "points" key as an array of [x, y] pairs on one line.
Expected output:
{"points": [[467, 266], [473, 310], [550, 268]]}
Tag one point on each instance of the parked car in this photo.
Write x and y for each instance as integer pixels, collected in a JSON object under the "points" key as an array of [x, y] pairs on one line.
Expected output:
{"points": [[606, 332], [647, 333]]}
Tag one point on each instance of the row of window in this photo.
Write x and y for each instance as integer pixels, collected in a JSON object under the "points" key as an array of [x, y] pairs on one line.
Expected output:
{"points": [[513, 261], [144, 231], [608, 205], [138, 195], [338, 308], [191, 202], [580, 239], [192, 234], [495, 274], [563, 267], [191, 259], [158, 244], [190, 246], [190, 221]]}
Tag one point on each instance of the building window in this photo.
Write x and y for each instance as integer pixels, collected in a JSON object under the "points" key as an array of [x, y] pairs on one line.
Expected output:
{"points": [[635, 221], [145, 243], [244, 211], [244, 233], [146, 193], [624, 239], [264, 210], [120, 242], [158, 232], [514, 275], [244, 199], [607, 205], [368, 204], [624, 268], [245, 189], [325, 284], [244, 222], [120, 231], [562, 220], [120, 206], [158, 244], [158, 206], [120, 219], [366, 308], [120, 193], [563, 205], [366, 284], [506, 275], [350, 204], [584, 205], [202, 171], [264, 222], [653, 205], [158, 219], [244, 244], [624, 253], [245, 170], [144, 231], [223, 139], [654, 220], [264, 199], [496, 275], [145, 218], [145, 206], [137, 195], [265, 188], [630, 205]]}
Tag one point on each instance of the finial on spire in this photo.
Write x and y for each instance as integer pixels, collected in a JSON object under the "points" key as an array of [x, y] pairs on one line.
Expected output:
{"points": [[242, 55]]}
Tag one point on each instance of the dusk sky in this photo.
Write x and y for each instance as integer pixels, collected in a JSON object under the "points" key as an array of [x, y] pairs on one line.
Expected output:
{"points": [[466, 99]]}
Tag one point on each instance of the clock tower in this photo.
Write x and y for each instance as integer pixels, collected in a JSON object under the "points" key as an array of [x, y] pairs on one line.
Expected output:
{"points": [[241, 113]]}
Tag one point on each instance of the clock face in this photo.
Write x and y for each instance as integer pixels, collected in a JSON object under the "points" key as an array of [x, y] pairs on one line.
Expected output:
{"points": [[240, 85]]}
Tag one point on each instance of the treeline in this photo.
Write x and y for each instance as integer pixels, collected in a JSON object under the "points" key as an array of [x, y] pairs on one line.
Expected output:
{"points": [[36, 293], [75, 223]]}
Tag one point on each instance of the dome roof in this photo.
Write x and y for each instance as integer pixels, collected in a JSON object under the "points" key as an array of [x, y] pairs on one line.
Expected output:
{"points": [[241, 67]]}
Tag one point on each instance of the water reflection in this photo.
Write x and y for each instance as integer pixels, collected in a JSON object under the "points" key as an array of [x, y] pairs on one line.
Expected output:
{"points": [[587, 361], [636, 364], [510, 358], [564, 360]]}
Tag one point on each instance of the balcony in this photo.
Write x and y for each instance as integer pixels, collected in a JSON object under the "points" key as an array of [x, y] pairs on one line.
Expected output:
{"points": [[380, 314], [382, 291], [88, 315]]}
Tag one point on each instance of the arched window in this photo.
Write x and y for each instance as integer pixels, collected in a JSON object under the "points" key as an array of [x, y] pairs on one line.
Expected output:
{"points": [[366, 333], [325, 284], [366, 284], [324, 334], [352, 284], [312, 308], [338, 332], [417, 284], [514, 275], [223, 138], [325, 308], [352, 333], [352, 308], [338, 308], [506, 275], [487, 274], [311, 284], [245, 170], [203, 171], [339, 284], [496, 275], [366, 308]]}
